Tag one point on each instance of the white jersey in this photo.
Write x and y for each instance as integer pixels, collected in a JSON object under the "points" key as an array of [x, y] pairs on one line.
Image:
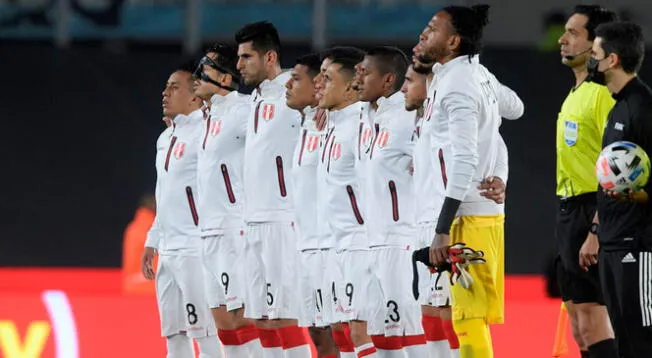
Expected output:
{"points": [[390, 196], [306, 187], [272, 133], [340, 165], [221, 157], [154, 234], [177, 214], [466, 115], [366, 134]]}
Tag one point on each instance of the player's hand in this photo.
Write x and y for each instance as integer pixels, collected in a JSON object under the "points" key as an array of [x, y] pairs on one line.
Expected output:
{"points": [[638, 196], [439, 249], [493, 188], [589, 252], [147, 261]]}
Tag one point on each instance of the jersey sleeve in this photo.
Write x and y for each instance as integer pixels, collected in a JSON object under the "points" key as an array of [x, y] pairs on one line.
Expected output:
{"points": [[463, 112], [604, 102], [509, 103], [153, 235], [502, 162]]}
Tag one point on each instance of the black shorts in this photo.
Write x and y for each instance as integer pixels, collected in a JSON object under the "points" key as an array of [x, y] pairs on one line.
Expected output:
{"points": [[626, 278], [574, 218]]}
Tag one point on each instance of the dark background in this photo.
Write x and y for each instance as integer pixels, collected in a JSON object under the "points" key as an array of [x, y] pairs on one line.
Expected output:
{"points": [[79, 128]]}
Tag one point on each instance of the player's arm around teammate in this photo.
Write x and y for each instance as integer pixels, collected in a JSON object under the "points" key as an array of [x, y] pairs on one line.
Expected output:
{"points": [[220, 198]]}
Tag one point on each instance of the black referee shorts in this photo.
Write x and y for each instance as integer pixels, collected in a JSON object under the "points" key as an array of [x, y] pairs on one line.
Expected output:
{"points": [[626, 278], [574, 218]]}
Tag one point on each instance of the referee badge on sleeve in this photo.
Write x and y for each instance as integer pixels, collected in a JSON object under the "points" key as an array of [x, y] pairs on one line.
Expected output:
{"points": [[571, 132]]}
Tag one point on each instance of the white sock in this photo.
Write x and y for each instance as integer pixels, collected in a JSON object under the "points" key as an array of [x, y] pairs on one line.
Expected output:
{"points": [[394, 353], [416, 351], [253, 347], [368, 350], [180, 346], [438, 349], [274, 352], [455, 353], [298, 352], [209, 347], [348, 355]]}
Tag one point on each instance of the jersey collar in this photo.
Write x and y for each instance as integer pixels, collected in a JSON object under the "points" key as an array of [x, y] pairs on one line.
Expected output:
{"points": [[182, 119], [631, 86], [347, 113], [442, 70], [388, 103], [270, 87]]}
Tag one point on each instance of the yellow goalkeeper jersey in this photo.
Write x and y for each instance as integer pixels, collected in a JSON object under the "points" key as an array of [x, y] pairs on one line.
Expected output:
{"points": [[580, 125]]}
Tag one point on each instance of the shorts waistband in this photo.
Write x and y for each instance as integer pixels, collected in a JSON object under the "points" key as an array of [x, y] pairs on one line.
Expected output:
{"points": [[582, 198]]}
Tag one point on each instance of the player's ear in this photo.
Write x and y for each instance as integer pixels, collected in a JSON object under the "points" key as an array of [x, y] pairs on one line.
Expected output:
{"points": [[388, 80], [271, 57], [612, 60], [454, 42]]}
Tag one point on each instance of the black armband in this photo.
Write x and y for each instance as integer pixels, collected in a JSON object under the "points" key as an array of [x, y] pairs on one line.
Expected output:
{"points": [[447, 215]]}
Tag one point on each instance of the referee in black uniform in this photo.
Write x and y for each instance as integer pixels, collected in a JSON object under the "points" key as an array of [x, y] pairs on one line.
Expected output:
{"points": [[625, 222]]}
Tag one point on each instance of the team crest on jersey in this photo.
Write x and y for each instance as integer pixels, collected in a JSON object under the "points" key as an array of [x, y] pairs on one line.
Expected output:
{"points": [[366, 137], [215, 128], [382, 139], [313, 143], [179, 149], [428, 108], [571, 131], [336, 151], [268, 111]]}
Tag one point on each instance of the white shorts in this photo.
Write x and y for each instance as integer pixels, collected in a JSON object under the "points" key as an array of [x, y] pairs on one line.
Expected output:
{"points": [[358, 295], [221, 260], [434, 289], [271, 271], [393, 269], [312, 296], [181, 297], [331, 276]]}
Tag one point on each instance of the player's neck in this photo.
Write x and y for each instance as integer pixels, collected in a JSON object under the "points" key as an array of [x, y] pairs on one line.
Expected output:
{"points": [[618, 81], [274, 72], [343, 105], [580, 73]]}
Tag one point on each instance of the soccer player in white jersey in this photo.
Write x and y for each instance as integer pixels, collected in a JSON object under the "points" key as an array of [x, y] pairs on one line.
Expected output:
{"points": [[271, 252], [390, 203], [340, 165], [221, 157], [333, 275], [465, 121], [180, 292], [314, 294]]}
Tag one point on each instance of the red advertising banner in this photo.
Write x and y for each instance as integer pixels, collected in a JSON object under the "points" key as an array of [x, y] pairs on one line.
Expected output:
{"points": [[84, 314]]}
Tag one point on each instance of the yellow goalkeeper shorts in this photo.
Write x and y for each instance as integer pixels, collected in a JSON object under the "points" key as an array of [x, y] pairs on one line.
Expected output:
{"points": [[486, 296]]}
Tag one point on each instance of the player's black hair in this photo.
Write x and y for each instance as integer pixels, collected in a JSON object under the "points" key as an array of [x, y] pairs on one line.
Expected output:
{"points": [[625, 39], [226, 60], [596, 15], [348, 58], [263, 36], [469, 23], [187, 66], [390, 59], [339, 51], [311, 61]]}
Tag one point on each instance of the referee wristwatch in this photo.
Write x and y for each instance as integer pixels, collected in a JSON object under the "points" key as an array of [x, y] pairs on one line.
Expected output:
{"points": [[594, 228]]}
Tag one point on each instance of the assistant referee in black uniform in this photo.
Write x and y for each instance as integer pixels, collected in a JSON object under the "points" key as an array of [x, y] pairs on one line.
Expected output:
{"points": [[625, 223]]}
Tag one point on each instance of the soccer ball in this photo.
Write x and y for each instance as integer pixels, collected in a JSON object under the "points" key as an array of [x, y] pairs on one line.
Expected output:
{"points": [[622, 165]]}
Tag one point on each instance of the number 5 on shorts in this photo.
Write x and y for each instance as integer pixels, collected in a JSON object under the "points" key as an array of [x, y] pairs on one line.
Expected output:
{"points": [[270, 297]]}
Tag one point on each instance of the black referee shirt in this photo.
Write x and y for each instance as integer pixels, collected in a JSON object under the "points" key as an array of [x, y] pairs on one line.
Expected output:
{"points": [[625, 225]]}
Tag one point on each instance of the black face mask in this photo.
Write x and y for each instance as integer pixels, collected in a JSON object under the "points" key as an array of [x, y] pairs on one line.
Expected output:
{"points": [[595, 75]]}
